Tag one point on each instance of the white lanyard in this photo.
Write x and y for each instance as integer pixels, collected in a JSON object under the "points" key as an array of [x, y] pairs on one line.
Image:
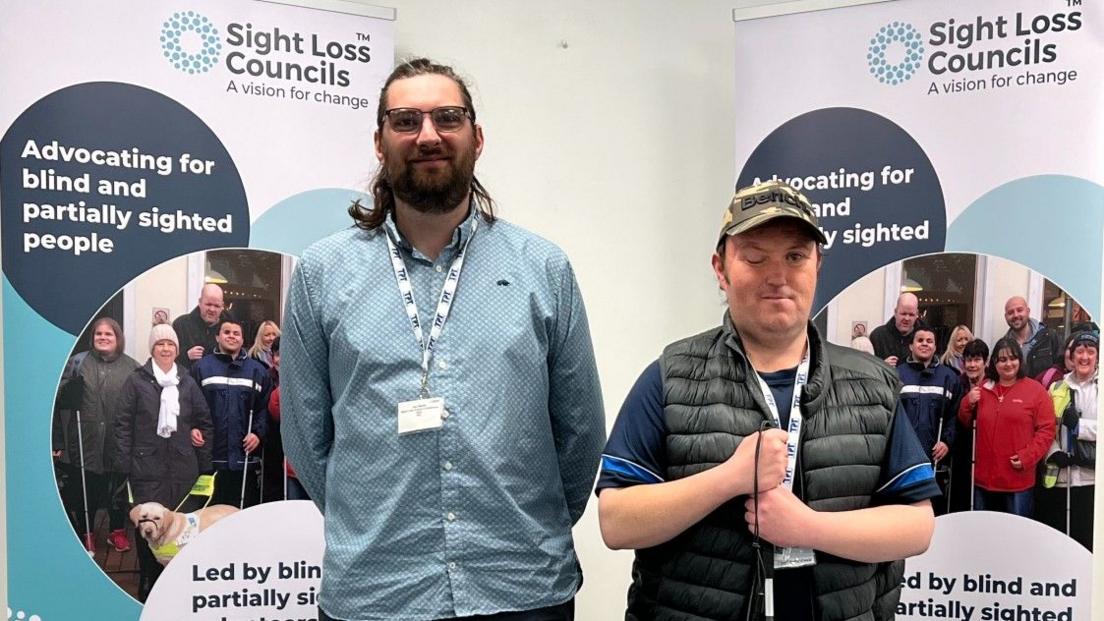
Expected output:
{"points": [[444, 304], [789, 557], [793, 432]]}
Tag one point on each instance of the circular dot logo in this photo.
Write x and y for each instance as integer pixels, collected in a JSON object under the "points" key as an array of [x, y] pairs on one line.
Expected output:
{"points": [[902, 41], [190, 42]]}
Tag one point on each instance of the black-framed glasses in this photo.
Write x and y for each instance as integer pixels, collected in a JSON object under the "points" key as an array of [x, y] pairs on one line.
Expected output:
{"points": [[409, 120]]}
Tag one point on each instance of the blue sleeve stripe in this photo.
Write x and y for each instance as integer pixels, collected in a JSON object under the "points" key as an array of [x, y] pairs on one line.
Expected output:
{"points": [[908, 477], [628, 469]]}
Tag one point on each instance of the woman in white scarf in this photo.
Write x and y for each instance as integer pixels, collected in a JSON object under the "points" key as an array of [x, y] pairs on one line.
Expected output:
{"points": [[164, 435]]}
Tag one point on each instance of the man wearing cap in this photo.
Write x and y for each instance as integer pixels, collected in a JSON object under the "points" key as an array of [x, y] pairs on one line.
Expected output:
{"points": [[698, 455], [893, 339], [440, 399]]}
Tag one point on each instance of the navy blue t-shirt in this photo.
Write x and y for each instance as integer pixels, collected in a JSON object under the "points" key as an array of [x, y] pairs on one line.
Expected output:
{"points": [[636, 454]]}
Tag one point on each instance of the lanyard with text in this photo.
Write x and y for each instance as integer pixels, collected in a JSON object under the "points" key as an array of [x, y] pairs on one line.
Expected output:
{"points": [[785, 558], [425, 413]]}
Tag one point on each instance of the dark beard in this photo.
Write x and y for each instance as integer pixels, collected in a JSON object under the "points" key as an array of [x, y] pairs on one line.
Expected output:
{"points": [[435, 196]]}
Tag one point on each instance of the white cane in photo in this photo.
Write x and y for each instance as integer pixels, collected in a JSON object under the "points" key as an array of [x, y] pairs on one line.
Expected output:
{"points": [[938, 439], [88, 536], [1069, 482], [245, 462], [261, 487], [973, 454]]}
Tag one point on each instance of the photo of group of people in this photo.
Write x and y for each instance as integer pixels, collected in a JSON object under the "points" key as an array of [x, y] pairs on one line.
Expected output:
{"points": [[1008, 410], [160, 427]]}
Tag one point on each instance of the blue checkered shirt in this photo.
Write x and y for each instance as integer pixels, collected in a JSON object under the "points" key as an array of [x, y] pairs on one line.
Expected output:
{"points": [[472, 518]]}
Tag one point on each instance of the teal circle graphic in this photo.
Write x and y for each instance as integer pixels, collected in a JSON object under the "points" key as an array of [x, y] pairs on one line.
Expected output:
{"points": [[895, 33], [1049, 223], [172, 47]]}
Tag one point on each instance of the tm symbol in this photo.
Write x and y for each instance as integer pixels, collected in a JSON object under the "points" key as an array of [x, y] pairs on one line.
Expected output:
{"points": [[1073, 2], [368, 37]]}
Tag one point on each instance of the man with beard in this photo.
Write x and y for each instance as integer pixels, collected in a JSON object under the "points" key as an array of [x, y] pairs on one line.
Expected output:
{"points": [[440, 399], [891, 340], [1041, 347]]}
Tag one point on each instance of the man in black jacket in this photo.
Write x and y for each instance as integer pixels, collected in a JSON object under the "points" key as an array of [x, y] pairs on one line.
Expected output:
{"points": [[1042, 348], [697, 461], [892, 340], [197, 330]]}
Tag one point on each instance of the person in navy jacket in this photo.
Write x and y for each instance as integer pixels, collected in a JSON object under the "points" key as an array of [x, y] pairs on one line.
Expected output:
{"points": [[237, 389]]}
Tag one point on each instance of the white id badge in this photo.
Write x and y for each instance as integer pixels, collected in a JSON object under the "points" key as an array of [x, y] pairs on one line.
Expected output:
{"points": [[420, 415], [791, 558]]}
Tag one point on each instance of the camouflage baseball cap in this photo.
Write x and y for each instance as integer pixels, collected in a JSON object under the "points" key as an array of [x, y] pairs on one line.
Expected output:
{"points": [[758, 204]]}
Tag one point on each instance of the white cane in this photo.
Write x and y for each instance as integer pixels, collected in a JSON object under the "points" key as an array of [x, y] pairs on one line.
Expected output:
{"points": [[938, 439], [973, 454], [1069, 488], [935, 467], [88, 535], [950, 480], [261, 491], [1069, 485], [245, 464]]}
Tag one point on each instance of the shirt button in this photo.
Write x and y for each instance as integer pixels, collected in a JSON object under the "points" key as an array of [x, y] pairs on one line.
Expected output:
{"points": [[451, 516], [441, 364], [444, 414], [452, 565], [448, 465], [439, 269]]}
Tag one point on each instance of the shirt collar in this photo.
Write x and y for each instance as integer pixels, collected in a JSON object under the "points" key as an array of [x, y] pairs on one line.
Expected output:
{"points": [[459, 235]]}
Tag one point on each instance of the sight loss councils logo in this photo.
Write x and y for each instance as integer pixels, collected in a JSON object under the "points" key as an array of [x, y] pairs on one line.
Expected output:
{"points": [[902, 41], [190, 42]]}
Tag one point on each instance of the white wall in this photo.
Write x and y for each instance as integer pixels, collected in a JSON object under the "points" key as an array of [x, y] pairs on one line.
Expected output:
{"points": [[164, 286], [862, 301], [1004, 279], [609, 130]]}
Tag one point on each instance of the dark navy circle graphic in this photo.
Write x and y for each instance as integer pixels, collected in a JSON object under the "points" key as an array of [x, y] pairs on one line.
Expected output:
{"points": [[176, 51], [101, 181], [877, 195], [908, 38]]}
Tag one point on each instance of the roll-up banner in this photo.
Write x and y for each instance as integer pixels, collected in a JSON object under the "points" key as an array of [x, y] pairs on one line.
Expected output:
{"points": [[161, 164], [954, 152]]}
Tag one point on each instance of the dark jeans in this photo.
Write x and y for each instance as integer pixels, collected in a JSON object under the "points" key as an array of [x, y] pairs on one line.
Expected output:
{"points": [[295, 490], [560, 612], [149, 569], [228, 487], [272, 456], [1017, 503], [1050, 509], [104, 492]]}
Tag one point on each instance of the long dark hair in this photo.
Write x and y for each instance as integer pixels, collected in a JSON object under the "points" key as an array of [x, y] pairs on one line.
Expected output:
{"points": [[383, 196], [1013, 348]]}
